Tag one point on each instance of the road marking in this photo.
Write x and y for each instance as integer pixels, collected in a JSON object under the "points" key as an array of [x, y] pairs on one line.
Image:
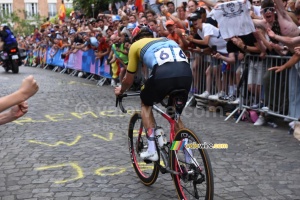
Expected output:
{"points": [[57, 143], [100, 171], [75, 166], [79, 115], [105, 138]]}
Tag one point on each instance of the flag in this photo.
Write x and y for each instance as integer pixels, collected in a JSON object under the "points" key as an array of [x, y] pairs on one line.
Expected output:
{"points": [[139, 5], [62, 12]]}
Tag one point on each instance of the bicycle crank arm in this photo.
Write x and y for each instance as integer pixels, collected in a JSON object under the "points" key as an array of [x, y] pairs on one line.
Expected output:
{"points": [[164, 170]]}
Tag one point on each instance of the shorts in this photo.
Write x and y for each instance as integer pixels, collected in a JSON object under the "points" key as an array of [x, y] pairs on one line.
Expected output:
{"points": [[255, 72], [164, 79]]}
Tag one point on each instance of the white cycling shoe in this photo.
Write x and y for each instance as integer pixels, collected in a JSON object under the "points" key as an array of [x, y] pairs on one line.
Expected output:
{"points": [[153, 156]]}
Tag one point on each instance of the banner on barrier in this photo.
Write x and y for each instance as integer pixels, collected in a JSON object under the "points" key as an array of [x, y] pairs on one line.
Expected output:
{"points": [[81, 60]]}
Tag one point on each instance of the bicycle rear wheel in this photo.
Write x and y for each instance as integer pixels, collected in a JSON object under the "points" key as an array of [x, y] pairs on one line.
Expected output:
{"points": [[137, 141], [195, 178]]}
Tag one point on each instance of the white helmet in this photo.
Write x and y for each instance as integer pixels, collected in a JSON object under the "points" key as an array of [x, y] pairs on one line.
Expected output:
{"points": [[4, 24]]}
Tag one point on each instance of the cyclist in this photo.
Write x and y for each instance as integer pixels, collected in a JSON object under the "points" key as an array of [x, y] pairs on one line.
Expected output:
{"points": [[7, 37], [170, 71]]}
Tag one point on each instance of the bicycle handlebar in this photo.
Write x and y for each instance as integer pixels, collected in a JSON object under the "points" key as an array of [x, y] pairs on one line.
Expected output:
{"points": [[120, 98]]}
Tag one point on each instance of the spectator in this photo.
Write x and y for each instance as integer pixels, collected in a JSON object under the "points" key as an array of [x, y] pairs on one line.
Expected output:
{"points": [[17, 101]]}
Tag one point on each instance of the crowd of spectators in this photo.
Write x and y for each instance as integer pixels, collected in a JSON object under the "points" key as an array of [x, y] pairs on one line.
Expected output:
{"points": [[194, 27]]}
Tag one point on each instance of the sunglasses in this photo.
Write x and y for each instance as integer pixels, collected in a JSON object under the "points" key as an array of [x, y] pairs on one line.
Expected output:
{"points": [[267, 9]]}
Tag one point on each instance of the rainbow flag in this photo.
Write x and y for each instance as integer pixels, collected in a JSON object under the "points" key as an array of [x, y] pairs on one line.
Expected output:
{"points": [[178, 145]]}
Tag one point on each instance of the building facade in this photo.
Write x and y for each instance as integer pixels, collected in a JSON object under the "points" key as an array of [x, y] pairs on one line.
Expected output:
{"points": [[46, 8]]}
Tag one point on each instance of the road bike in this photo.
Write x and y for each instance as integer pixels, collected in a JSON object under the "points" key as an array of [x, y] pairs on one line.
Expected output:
{"points": [[182, 156]]}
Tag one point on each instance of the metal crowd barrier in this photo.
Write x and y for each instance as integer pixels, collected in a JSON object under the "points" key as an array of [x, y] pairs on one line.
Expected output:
{"points": [[251, 82]]}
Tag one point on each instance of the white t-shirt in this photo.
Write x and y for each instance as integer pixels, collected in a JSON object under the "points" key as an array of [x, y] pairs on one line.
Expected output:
{"points": [[215, 37], [234, 18], [103, 31]]}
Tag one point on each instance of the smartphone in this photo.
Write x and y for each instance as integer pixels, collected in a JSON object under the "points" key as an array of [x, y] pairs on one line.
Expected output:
{"points": [[214, 49]]}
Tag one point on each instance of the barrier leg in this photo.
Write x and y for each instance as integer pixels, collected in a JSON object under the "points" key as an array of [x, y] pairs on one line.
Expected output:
{"points": [[232, 113], [89, 77], [192, 98], [242, 113], [101, 81], [45, 66], [63, 71], [55, 68], [73, 73]]}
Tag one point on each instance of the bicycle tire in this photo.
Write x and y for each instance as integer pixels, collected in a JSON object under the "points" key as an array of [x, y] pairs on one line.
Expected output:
{"points": [[147, 172], [177, 164]]}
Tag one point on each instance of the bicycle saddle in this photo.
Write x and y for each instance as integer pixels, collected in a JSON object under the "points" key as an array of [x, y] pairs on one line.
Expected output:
{"points": [[177, 98]]}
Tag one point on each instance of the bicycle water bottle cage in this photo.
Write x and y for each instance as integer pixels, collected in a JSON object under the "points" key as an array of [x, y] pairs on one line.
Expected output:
{"points": [[177, 100]]}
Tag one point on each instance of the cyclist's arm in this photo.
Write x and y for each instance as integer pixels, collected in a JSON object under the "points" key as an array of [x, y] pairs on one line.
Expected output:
{"points": [[127, 82]]}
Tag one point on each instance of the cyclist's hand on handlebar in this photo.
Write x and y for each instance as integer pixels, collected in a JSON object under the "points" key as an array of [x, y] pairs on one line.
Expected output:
{"points": [[118, 90]]}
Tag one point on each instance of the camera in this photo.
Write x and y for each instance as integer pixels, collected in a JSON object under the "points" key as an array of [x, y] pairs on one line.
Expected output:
{"points": [[214, 49]]}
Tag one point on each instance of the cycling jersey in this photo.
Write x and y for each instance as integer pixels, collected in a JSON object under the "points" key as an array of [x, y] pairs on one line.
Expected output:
{"points": [[154, 51]]}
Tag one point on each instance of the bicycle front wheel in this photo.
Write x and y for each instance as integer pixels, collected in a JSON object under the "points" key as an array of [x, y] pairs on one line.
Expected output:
{"points": [[137, 141], [195, 176]]}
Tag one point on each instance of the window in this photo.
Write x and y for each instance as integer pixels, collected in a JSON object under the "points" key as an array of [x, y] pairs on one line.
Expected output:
{"points": [[69, 5], [31, 9], [52, 9], [5, 9]]}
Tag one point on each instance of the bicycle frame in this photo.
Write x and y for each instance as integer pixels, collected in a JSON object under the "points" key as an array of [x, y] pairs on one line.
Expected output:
{"points": [[154, 107]]}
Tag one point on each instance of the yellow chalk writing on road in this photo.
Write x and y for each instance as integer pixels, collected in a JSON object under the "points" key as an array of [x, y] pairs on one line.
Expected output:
{"points": [[80, 115], [57, 143], [75, 166], [103, 171], [109, 138], [109, 113]]}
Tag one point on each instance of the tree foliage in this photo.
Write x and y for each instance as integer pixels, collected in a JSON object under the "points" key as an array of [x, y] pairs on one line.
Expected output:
{"points": [[19, 25]]}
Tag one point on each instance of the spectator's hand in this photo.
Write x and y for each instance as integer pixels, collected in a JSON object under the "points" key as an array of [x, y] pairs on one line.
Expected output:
{"points": [[18, 111], [178, 31], [29, 87], [190, 38], [277, 69], [262, 55], [217, 56], [118, 90], [241, 56], [297, 51], [271, 33]]}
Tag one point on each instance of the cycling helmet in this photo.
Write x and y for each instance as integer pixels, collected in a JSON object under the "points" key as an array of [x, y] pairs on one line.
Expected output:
{"points": [[140, 32]]}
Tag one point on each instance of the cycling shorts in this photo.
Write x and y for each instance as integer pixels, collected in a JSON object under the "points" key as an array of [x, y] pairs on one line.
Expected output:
{"points": [[164, 79]]}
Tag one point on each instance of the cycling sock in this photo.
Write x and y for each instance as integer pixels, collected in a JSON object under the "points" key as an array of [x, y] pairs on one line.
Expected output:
{"points": [[151, 140]]}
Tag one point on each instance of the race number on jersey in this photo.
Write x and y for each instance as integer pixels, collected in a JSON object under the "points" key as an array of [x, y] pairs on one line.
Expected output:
{"points": [[165, 55]]}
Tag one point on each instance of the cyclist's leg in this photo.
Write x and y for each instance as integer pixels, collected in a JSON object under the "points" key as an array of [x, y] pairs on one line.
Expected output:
{"points": [[147, 97]]}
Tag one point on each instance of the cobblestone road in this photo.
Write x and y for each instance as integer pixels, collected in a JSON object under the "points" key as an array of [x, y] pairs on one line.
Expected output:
{"points": [[72, 144]]}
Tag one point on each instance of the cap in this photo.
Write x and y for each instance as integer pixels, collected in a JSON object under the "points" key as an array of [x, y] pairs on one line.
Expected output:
{"points": [[131, 25], [194, 16], [116, 18], [169, 22], [52, 30]]}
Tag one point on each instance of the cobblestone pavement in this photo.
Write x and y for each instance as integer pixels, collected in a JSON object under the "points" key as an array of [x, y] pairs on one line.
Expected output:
{"points": [[72, 145]]}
